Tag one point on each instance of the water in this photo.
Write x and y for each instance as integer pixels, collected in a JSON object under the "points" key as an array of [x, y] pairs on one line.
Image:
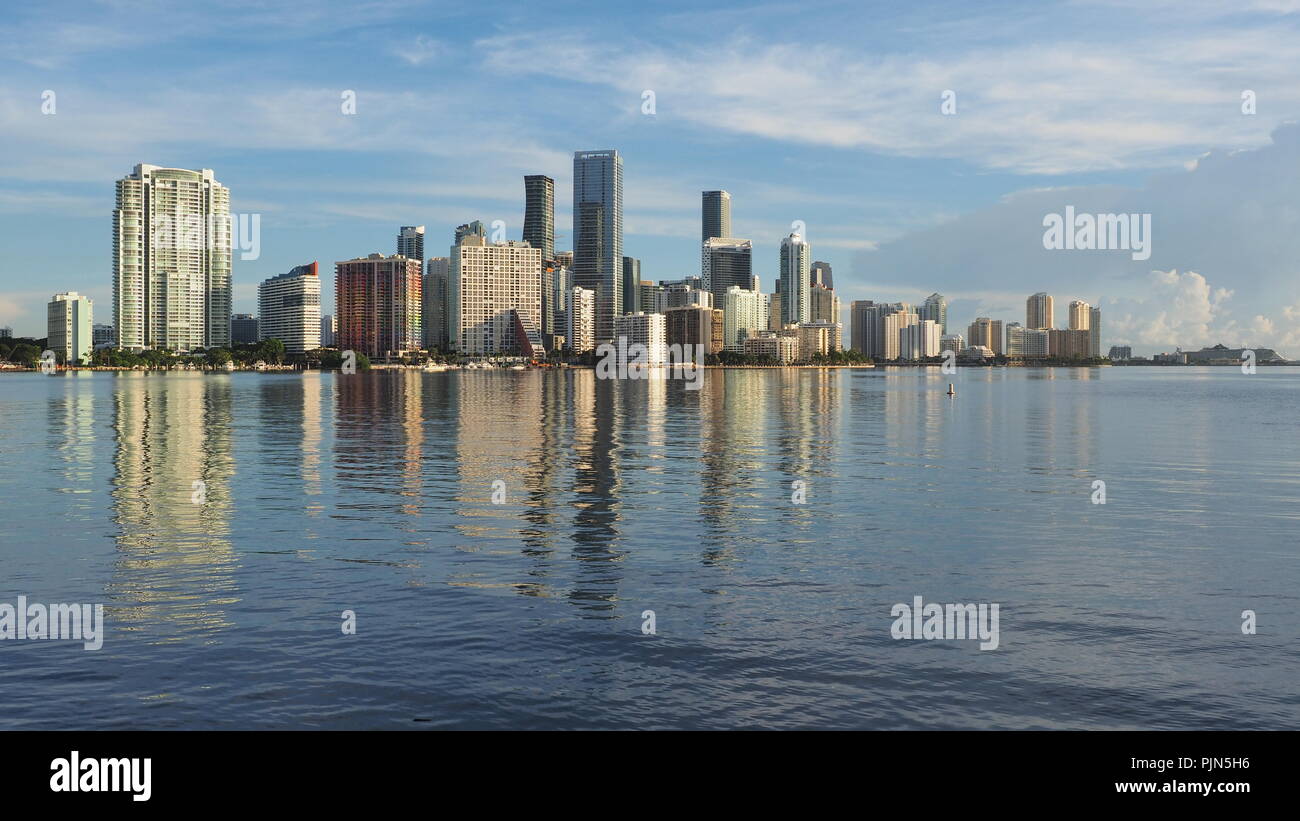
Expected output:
{"points": [[373, 493]]}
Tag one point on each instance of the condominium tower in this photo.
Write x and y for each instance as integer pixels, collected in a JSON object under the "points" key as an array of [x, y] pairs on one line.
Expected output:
{"points": [[288, 308], [171, 260], [598, 233]]}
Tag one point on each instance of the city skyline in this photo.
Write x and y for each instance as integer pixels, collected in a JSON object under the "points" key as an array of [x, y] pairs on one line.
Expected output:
{"points": [[918, 196]]}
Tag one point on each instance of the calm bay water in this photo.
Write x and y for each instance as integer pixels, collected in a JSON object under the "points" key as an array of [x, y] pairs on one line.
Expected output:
{"points": [[373, 493]]}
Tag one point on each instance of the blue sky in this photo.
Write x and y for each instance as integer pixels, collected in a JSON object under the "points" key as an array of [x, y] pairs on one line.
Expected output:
{"points": [[827, 113]]}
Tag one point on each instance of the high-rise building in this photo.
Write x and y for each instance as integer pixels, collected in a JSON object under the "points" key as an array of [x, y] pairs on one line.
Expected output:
{"points": [[1027, 343], [410, 242], [101, 335], [715, 215], [555, 289], [650, 330], [1094, 332], [1120, 352], [744, 314], [859, 318], [647, 296], [539, 214], [1079, 317], [329, 330], [819, 274], [817, 338], [69, 319], [935, 309], [470, 229], [689, 327], [495, 298], [1039, 311], [1067, 344], [919, 341], [243, 329], [726, 262], [795, 260], [631, 285], [6, 332], [598, 233], [580, 320], [171, 260], [288, 308], [681, 296], [987, 333], [951, 342], [378, 304], [776, 347], [823, 305], [894, 324], [433, 310]]}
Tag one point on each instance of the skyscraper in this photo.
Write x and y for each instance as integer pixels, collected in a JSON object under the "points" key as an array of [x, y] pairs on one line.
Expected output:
{"points": [[437, 274], [171, 260], [328, 331], [820, 275], [935, 309], [495, 297], [410, 242], [288, 308], [598, 233], [744, 314], [475, 228], [823, 305], [539, 214], [1094, 332], [378, 306], [1079, 317], [1039, 311], [631, 280], [795, 257], [68, 326], [580, 320], [859, 319], [715, 215], [726, 262], [986, 332]]}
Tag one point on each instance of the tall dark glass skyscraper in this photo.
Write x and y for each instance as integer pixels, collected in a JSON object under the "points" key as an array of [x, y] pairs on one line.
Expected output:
{"points": [[820, 275], [715, 215], [539, 214], [598, 233], [632, 285]]}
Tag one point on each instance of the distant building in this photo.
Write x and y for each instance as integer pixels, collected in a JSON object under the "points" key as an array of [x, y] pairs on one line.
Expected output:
{"points": [[433, 298], [649, 330], [894, 324], [410, 242], [69, 319], [495, 298], [823, 305], [818, 338], [1068, 344], [987, 333], [782, 349], [935, 309], [101, 336], [1079, 315], [6, 332], [867, 322], [470, 229], [288, 308], [631, 285], [539, 214], [580, 320], [243, 329], [745, 314], [715, 215], [598, 233], [1094, 332], [328, 331], [819, 275], [377, 305], [1119, 353], [1027, 343], [171, 260], [951, 342], [647, 295], [919, 340], [695, 326], [1039, 312], [794, 272], [726, 262], [681, 296]]}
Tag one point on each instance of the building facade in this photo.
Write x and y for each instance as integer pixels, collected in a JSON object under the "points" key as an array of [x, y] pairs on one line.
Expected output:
{"points": [[796, 257], [288, 309], [68, 327], [171, 260], [598, 233], [377, 304], [580, 320], [490, 283], [715, 215], [539, 214]]}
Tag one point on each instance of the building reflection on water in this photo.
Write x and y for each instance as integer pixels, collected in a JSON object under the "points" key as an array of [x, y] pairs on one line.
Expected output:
{"points": [[175, 569]]}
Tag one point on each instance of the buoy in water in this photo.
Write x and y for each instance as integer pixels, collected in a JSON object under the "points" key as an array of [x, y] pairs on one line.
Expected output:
{"points": [[951, 392]]}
